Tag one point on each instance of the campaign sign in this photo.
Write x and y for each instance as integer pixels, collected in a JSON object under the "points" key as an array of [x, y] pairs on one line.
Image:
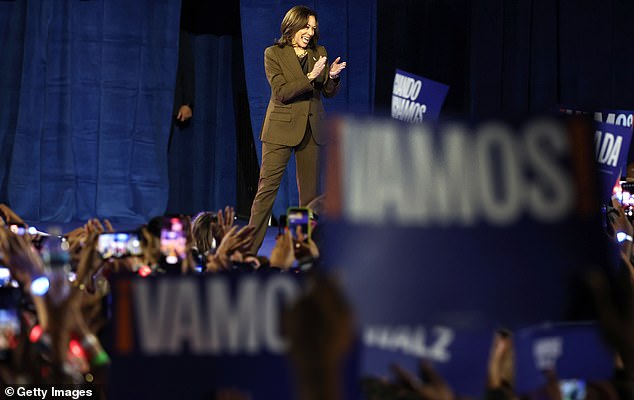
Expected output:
{"points": [[611, 149], [455, 355], [191, 337], [620, 118], [612, 140], [615, 117], [444, 234], [416, 99], [573, 350]]}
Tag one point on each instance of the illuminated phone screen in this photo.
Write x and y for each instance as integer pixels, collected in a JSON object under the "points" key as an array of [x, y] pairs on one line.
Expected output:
{"points": [[627, 199], [9, 320], [119, 245], [173, 240], [572, 389], [299, 217]]}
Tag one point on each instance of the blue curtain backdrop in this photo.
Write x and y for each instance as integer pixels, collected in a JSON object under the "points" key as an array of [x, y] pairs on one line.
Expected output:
{"points": [[510, 57], [429, 38], [12, 16], [528, 55], [86, 97], [347, 29], [202, 156]]}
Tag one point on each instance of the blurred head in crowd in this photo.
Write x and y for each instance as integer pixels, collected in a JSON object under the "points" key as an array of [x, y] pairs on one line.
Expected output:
{"points": [[203, 227]]}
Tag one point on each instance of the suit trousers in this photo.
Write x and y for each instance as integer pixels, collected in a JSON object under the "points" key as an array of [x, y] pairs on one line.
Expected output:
{"points": [[275, 157]]}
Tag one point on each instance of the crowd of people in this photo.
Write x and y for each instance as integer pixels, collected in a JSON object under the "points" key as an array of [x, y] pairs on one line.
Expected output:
{"points": [[55, 335], [55, 285], [613, 300], [60, 322]]}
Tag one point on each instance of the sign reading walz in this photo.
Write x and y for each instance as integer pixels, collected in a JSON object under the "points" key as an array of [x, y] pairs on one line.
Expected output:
{"points": [[415, 98], [190, 337], [443, 234]]}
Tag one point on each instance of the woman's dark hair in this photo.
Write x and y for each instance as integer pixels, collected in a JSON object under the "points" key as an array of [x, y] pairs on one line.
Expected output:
{"points": [[295, 19], [154, 226], [202, 230]]}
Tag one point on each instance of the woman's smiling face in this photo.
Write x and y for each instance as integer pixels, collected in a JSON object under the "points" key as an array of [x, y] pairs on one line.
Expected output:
{"points": [[302, 37]]}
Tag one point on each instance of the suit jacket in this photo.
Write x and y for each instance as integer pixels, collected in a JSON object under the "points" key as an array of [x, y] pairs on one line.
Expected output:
{"points": [[294, 99]]}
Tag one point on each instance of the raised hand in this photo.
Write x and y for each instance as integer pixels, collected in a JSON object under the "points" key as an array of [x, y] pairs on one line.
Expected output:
{"points": [[9, 216], [620, 224], [501, 365], [430, 386], [184, 113], [95, 226], [89, 263], [317, 68], [20, 256], [236, 240], [305, 248], [225, 222], [283, 254], [320, 329], [336, 68]]}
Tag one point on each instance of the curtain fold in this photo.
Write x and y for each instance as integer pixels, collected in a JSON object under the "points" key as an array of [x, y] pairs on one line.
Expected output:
{"points": [[510, 58], [527, 56], [95, 97], [12, 25], [202, 157]]}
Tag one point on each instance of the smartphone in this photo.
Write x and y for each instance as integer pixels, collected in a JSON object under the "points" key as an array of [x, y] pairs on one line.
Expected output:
{"points": [[173, 240], [572, 389], [5, 276], [299, 217], [627, 199], [119, 245], [9, 320], [283, 224]]}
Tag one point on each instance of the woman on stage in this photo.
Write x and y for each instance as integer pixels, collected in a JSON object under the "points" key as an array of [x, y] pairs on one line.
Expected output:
{"points": [[297, 70]]}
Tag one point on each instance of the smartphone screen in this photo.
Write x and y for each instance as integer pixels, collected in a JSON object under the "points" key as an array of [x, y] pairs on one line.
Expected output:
{"points": [[572, 389], [9, 320], [627, 199], [5, 276], [174, 240], [119, 245], [299, 217]]}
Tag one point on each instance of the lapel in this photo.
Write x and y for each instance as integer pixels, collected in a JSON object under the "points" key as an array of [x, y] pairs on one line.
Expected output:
{"points": [[312, 58], [291, 64]]}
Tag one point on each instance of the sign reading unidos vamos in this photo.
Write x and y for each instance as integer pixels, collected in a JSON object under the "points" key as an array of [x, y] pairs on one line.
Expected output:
{"points": [[416, 99]]}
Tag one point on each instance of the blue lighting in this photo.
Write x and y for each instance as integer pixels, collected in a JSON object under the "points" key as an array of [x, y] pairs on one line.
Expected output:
{"points": [[39, 286]]}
